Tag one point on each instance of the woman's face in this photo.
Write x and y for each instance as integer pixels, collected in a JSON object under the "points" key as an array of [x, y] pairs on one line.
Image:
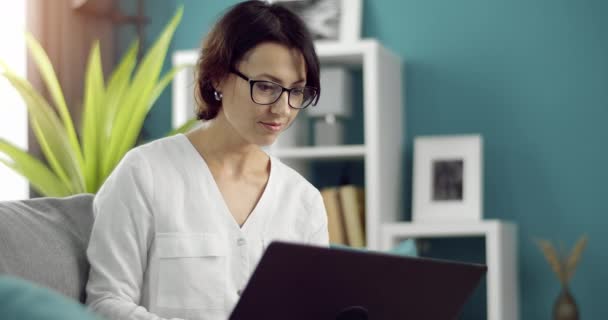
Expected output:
{"points": [[255, 123]]}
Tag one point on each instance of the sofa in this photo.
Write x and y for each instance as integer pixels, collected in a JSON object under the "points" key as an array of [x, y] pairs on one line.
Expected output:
{"points": [[44, 240]]}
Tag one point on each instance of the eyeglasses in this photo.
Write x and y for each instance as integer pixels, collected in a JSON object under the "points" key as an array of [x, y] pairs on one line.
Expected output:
{"points": [[267, 92]]}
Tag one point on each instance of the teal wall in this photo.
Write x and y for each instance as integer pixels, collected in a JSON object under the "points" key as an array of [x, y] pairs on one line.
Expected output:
{"points": [[531, 77]]}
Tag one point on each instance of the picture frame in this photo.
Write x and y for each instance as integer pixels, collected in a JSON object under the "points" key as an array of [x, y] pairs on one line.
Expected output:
{"points": [[447, 179], [328, 20]]}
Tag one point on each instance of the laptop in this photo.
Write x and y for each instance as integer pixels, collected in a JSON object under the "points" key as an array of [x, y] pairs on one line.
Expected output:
{"points": [[303, 282]]}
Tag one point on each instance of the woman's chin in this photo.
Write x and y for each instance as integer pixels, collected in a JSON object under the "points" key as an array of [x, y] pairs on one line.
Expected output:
{"points": [[266, 141]]}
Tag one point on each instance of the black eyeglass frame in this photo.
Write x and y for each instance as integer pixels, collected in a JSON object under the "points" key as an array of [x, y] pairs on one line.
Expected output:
{"points": [[313, 100]]}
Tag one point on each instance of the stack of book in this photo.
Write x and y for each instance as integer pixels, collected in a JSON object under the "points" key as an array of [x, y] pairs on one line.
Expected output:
{"points": [[345, 206]]}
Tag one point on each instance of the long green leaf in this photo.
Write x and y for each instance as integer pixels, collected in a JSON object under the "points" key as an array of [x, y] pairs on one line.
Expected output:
{"points": [[129, 121], [28, 94], [115, 96], [164, 82], [50, 134], [151, 91], [158, 89], [117, 86], [52, 84], [39, 175], [94, 97]]}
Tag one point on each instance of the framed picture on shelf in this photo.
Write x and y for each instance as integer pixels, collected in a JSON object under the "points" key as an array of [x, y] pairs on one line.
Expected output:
{"points": [[328, 20], [447, 178]]}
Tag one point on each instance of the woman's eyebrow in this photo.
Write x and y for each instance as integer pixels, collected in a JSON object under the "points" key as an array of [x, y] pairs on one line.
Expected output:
{"points": [[277, 80]]}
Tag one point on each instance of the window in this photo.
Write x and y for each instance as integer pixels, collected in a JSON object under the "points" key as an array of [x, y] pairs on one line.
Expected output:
{"points": [[13, 113]]}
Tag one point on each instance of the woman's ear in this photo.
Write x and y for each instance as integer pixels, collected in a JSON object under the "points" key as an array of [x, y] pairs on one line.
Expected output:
{"points": [[218, 85]]}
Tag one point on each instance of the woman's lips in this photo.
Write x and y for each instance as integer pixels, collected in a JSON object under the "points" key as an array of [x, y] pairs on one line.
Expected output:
{"points": [[271, 126]]}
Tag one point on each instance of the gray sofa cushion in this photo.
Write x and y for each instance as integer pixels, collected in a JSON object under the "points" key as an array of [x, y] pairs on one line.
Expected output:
{"points": [[44, 240]]}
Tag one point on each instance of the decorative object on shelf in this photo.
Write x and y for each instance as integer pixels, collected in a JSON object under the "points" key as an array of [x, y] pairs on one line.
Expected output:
{"points": [[113, 115], [345, 206], [405, 248], [335, 221], [448, 178], [328, 20], [564, 266], [352, 203], [333, 108]]}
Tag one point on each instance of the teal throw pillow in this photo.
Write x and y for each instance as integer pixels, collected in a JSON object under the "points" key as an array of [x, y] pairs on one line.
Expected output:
{"points": [[24, 300]]}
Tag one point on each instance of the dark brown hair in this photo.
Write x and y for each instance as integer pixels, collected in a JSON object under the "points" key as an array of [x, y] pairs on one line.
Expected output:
{"points": [[240, 29]]}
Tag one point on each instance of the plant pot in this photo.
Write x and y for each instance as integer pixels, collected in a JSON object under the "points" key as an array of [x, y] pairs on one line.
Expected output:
{"points": [[565, 307]]}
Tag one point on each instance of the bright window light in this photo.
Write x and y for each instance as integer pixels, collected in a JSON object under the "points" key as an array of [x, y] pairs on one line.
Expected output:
{"points": [[13, 113]]}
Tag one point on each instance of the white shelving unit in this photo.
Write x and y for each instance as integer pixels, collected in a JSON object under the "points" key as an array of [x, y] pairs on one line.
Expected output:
{"points": [[383, 113], [340, 152], [501, 256]]}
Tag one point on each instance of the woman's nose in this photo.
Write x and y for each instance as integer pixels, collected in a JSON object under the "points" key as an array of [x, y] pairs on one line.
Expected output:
{"points": [[281, 106]]}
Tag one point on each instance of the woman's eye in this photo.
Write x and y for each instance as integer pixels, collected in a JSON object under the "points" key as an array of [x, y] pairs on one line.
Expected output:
{"points": [[265, 87], [297, 92]]}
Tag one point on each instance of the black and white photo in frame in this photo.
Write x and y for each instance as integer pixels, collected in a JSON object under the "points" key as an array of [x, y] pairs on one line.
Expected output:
{"points": [[328, 20], [447, 178]]}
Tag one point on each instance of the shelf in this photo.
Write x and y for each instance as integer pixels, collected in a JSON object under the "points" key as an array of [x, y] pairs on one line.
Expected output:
{"points": [[328, 52], [345, 52], [456, 229], [321, 152], [501, 256]]}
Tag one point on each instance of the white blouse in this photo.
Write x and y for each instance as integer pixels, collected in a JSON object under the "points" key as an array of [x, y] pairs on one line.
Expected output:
{"points": [[165, 245]]}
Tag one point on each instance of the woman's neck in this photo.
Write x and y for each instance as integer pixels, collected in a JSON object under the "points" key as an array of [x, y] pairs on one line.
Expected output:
{"points": [[224, 150]]}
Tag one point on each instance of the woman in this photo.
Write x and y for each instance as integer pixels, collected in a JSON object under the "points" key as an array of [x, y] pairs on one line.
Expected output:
{"points": [[182, 221]]}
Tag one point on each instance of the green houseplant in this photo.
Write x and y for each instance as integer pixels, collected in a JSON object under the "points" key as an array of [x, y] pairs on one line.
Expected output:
{"points": [[112, 117]]}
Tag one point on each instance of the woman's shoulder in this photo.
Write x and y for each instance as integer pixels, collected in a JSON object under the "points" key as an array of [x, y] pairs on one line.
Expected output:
{"points": [[148, 166], [290, 179], [157, 159], [160, 147], [161, 153]]}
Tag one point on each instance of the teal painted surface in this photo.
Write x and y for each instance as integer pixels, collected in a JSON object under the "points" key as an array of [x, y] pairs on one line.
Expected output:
{"points": [[532, 77]]}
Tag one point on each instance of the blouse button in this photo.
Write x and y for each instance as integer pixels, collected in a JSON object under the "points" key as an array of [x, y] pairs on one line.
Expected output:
{"points": [[241, 242]]}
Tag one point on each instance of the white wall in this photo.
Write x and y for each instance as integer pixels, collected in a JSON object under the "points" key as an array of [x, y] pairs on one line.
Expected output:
{"points": [[13, 114]]}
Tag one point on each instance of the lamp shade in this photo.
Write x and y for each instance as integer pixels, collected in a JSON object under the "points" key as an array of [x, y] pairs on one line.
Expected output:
{"points": [[336, 97]]}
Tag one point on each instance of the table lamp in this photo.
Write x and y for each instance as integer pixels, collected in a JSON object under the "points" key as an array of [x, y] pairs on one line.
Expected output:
{"points": [[333, 108]]}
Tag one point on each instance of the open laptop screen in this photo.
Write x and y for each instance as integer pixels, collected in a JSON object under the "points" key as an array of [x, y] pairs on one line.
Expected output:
{"points": [[294, 281]]}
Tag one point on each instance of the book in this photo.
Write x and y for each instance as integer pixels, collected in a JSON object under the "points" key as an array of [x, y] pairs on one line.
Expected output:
{"points": [[352, 203], [335, 223]]}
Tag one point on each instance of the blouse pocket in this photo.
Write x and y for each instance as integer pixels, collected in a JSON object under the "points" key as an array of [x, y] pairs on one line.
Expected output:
{"points": [[192, 271]]}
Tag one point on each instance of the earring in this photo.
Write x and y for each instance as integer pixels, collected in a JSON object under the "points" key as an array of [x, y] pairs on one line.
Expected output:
{"points": [[218, 95]]}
